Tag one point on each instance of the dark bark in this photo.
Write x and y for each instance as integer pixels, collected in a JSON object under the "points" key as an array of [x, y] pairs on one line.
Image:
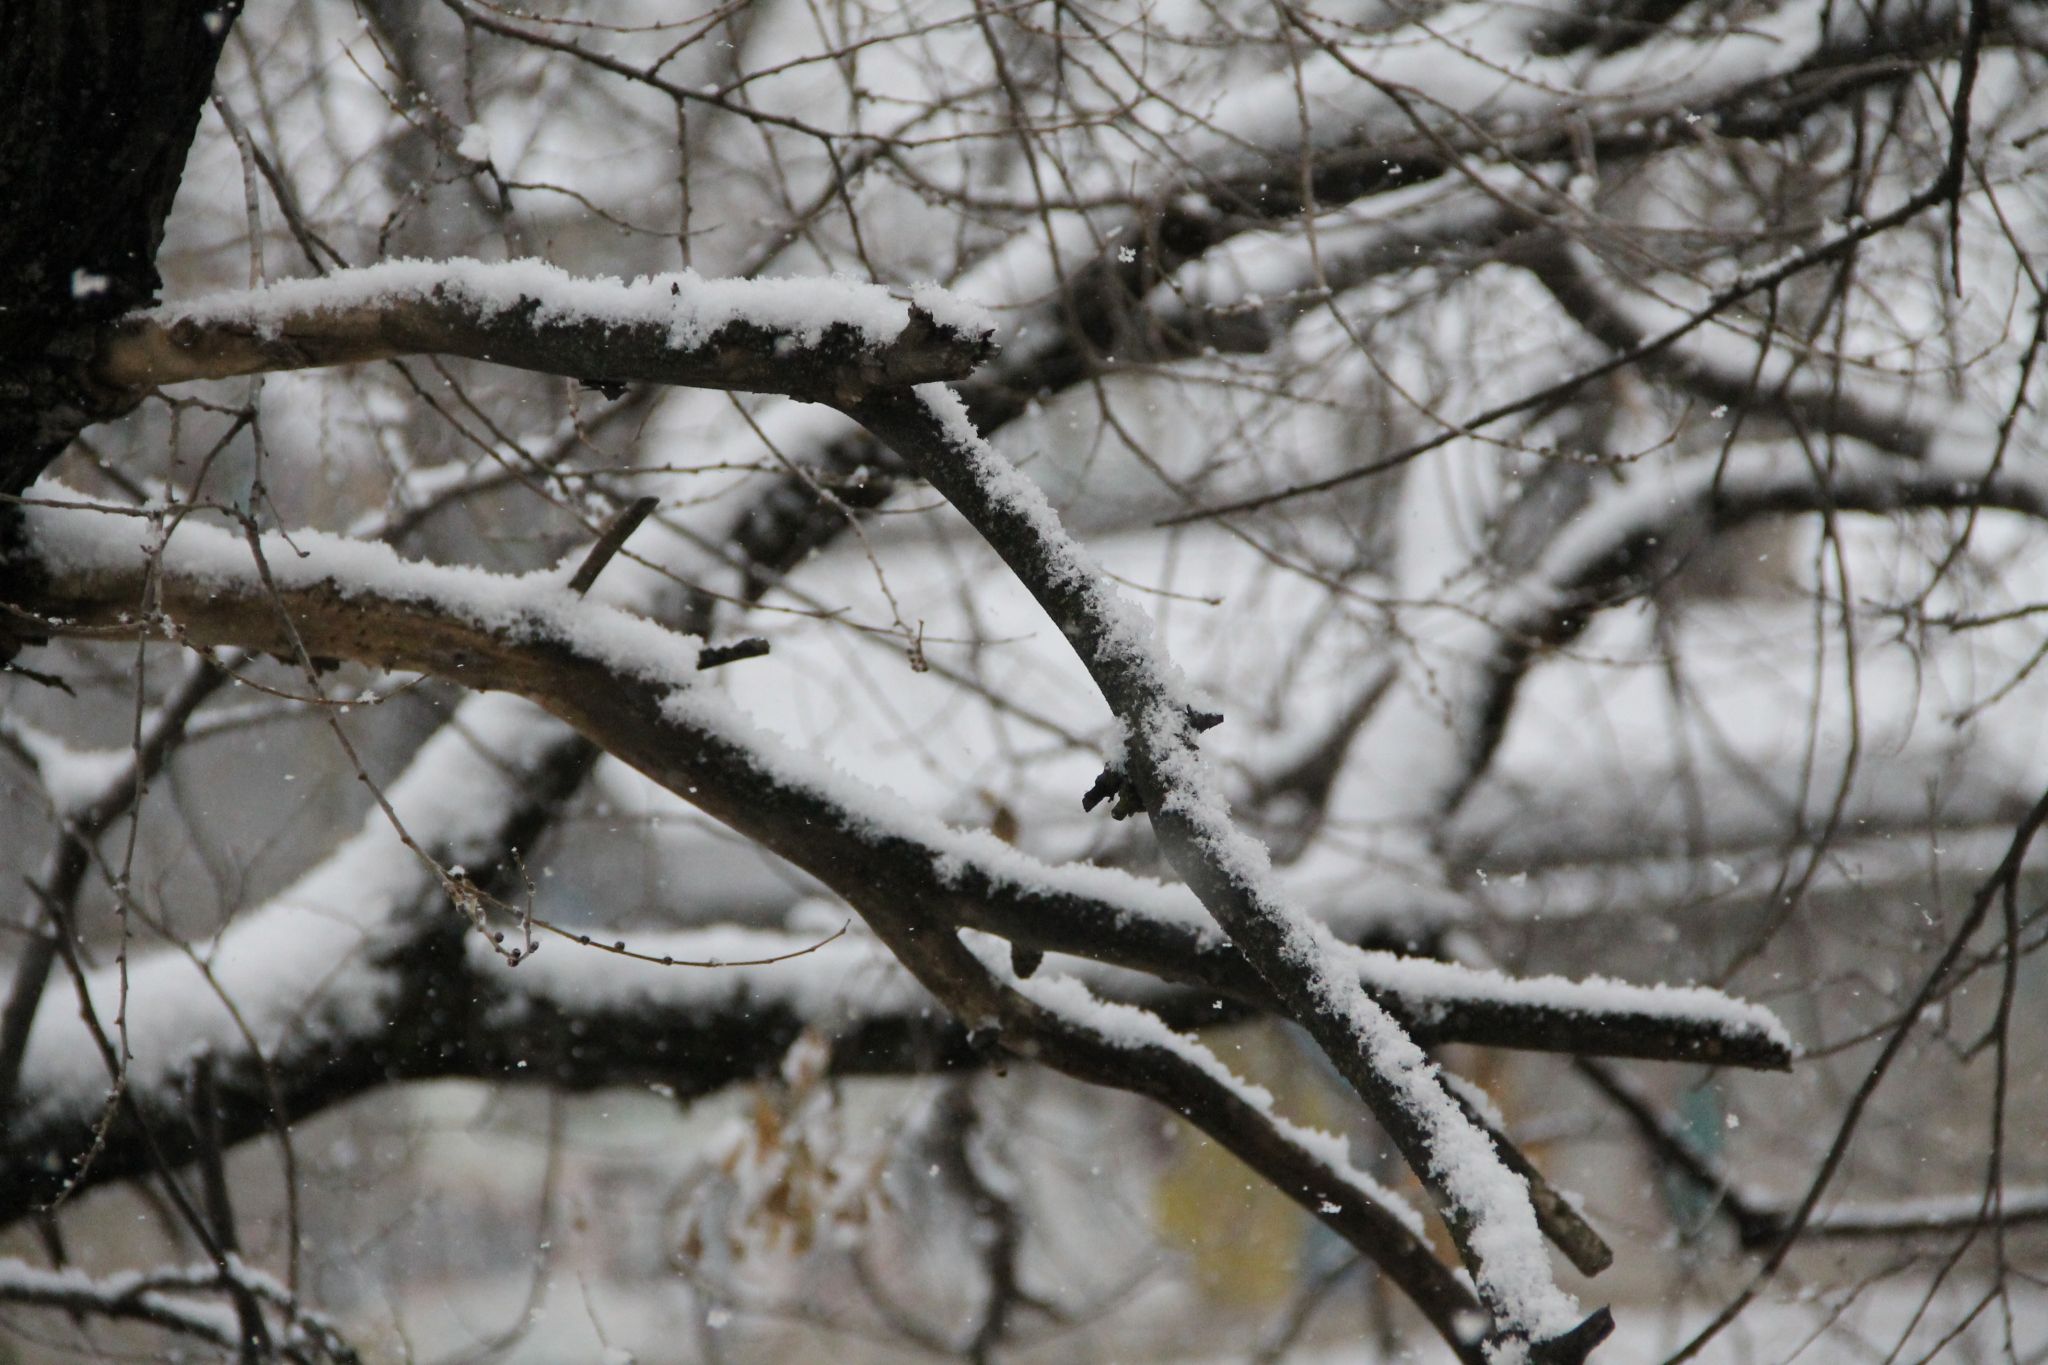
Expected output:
{"points": [[840, 846], [103, 97], [1161, 735], [840, 362], [444, 1021]]}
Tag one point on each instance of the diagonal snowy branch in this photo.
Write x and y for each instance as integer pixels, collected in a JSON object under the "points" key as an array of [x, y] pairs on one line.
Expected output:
{"points": [[346, 980], [1058, 1019], [622, 680], [1485, 1204]]}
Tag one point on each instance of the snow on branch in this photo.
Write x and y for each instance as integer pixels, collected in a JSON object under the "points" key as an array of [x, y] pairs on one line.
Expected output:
{"points": [[807, 338], [88, 791], [1487, 80], [430, 1000], [621, 684], [357, 975], [365, 602], [1499, 90], [323, 973], [134, 1295], [1550, 1012], [1116, 1044], [1129, 922], [323, 962], [1060, 1023], [1063, 287], [1768, 376], [1969, 467], [1246, 289], [1486, 1205], [171, 1298]]}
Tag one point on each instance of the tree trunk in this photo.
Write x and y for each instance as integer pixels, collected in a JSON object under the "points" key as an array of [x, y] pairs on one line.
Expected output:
{"points": [[103, 98]]}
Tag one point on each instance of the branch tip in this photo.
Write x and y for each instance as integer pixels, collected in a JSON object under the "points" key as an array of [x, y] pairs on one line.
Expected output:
{"points": [[717, 656]]}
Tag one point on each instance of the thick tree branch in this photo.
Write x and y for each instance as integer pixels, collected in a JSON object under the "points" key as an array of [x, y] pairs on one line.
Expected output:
{"points": [[687, 743], [358, 998], [811, 339], [1435, 1002], [1484, 1204], [210, 587], [352, 601], [615, 676], [413, 1001], [1768, 385]]}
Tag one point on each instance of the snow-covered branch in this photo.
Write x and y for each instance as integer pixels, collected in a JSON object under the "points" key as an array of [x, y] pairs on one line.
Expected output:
{"points": [[1469, 86], [1436, 1002], [1117, 1045], [313, 991], [1441, 723], [1478, 80], [623, 680], [340, 985], [1208, 252], [1485, 1205], [1233, 258], [806, 338], [1766, 378], [89, 791], [176, 1299], [628, 683], [129, 1294], [421, 997], [529, 635]]}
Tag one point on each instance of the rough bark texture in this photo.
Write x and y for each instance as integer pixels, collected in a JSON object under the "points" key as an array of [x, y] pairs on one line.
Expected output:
{"points": [[103, 98], [839, 363]]}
